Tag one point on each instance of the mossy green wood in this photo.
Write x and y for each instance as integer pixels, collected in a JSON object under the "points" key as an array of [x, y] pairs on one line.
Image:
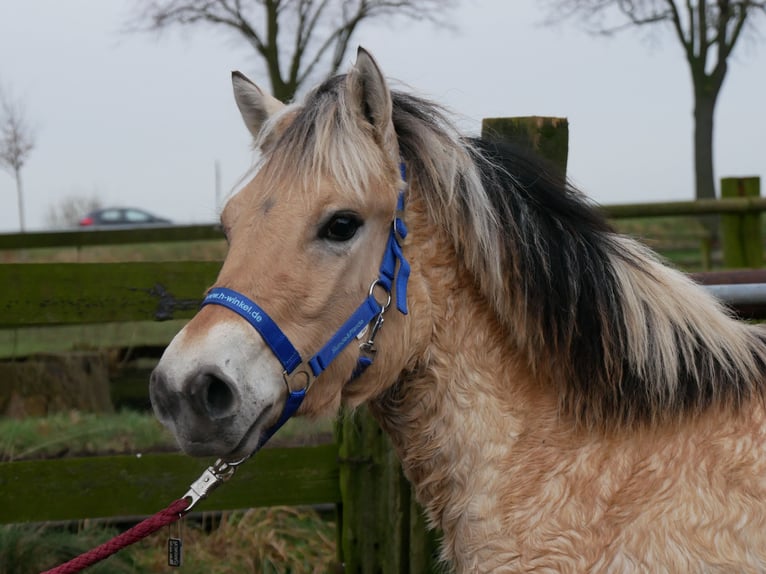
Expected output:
{"points": [[60, 293], [547, 136], [741, 233], [425, 543], [726, 205], [375, 502], [109, 486], [382, 527], [25, 341], [89, 237]]}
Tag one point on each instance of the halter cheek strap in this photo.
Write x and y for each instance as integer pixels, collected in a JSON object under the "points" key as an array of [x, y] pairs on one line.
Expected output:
{"points": [[394, 270]]}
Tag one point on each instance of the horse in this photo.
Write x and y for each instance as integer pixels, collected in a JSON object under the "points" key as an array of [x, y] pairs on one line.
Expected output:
{"points": [[560, 398]]}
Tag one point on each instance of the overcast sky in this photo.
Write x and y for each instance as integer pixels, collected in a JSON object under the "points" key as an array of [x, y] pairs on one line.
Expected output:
{"points": [[141, 121]]}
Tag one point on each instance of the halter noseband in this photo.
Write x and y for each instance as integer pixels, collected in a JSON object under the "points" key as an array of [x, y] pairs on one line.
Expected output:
{"points": [[369, 315]]}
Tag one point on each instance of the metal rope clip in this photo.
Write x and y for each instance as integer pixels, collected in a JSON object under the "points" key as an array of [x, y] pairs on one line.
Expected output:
{"points": [[367, 348], [214, 475]]}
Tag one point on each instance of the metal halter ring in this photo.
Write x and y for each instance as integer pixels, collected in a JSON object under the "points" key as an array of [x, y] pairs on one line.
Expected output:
{"points": [[387, 304], [304, 370]]}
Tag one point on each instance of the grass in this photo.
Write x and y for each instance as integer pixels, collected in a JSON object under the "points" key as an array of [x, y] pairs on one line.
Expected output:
{"points": [[77, 433], [261, 540], [677, 239], [672, 228], [86, 434], [268, 541], [26, 548]]}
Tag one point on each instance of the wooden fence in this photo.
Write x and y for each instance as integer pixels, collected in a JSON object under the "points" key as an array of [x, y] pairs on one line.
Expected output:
{"points": [[740, 208]]}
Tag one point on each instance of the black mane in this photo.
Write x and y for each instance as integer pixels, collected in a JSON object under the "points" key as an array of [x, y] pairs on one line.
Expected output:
{"points": [[565, 299]]}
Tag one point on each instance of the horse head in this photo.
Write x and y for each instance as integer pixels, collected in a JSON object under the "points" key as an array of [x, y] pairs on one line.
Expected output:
{"points": [[306, 234]]}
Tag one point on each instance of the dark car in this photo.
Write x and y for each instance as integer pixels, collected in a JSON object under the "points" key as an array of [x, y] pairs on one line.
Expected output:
{"points": [[127, 216]]}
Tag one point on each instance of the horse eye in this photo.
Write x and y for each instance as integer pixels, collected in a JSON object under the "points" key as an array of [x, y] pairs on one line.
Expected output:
{"points": [[341, 227]]}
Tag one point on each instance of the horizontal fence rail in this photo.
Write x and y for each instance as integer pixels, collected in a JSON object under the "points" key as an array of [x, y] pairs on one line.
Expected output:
{"points": [[130, 485], [744, 290], [22, 341], [736, 296], [696, 207], [63, 293], [111, 236]]}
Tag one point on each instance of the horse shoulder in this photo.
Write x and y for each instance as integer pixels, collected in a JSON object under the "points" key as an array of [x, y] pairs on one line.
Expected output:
{"points": [[684, 496]]}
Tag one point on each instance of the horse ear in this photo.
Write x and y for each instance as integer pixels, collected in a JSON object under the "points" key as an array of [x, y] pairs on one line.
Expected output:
{"points": [[254, 105], [370, 96]]}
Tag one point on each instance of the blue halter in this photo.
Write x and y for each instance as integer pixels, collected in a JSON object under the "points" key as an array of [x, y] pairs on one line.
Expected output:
{"points": [[368, 315]]}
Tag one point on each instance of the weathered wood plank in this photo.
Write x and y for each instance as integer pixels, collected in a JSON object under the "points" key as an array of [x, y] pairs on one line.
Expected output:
{"points": [[87, 237], [547, 136], [26, 341], [698, 207], [77, 488], [382, 531], [741, 234], [60, 293]]}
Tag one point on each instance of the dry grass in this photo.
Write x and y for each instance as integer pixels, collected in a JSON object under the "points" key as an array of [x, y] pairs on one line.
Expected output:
{"points": [[26, 548], [255, 541]]}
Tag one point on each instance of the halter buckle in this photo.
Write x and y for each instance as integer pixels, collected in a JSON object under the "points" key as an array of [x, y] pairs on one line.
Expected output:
{"points": [[302, 371]]}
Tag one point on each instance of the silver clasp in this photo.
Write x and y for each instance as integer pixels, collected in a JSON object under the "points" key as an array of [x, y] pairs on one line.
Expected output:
{"points": [[214, 475], [368, 347]]}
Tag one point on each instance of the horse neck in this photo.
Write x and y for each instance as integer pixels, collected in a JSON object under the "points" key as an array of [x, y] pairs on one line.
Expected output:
{"points": [[459, 409]]}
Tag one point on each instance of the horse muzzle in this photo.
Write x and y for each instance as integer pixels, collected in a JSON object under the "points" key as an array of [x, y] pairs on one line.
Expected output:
{"points": [[217, 403]]}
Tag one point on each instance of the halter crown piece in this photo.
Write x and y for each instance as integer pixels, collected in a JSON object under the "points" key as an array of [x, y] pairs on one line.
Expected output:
{"points": [[368, 318]]}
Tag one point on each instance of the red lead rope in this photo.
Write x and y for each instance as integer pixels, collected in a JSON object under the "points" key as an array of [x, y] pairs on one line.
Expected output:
{"points": [[214, 475], [140, 531]]}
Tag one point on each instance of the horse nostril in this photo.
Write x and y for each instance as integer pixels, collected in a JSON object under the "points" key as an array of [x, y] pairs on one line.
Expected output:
{"points": [[164, 402], [219, 396], [214, 395]]}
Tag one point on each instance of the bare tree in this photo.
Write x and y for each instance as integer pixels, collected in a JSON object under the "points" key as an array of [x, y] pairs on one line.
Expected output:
{"points": [[70, 210], [16, 143], [309, 35], [708, 31]]}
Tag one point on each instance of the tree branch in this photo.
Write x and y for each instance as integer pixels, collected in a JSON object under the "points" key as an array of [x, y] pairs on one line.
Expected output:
{"points": [[16, 138], [307, 33]]}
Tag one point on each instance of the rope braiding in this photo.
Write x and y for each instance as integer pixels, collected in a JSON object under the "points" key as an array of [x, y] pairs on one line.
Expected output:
{"points": [[140, 531]]}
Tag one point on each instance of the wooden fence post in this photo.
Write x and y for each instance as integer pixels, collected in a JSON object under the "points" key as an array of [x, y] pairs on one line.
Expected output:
{"points": [[741, 233], [547, 136], [382, 530]]}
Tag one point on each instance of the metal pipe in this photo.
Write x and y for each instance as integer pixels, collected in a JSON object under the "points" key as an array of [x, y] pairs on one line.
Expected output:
{"points": [[741, 294]]}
